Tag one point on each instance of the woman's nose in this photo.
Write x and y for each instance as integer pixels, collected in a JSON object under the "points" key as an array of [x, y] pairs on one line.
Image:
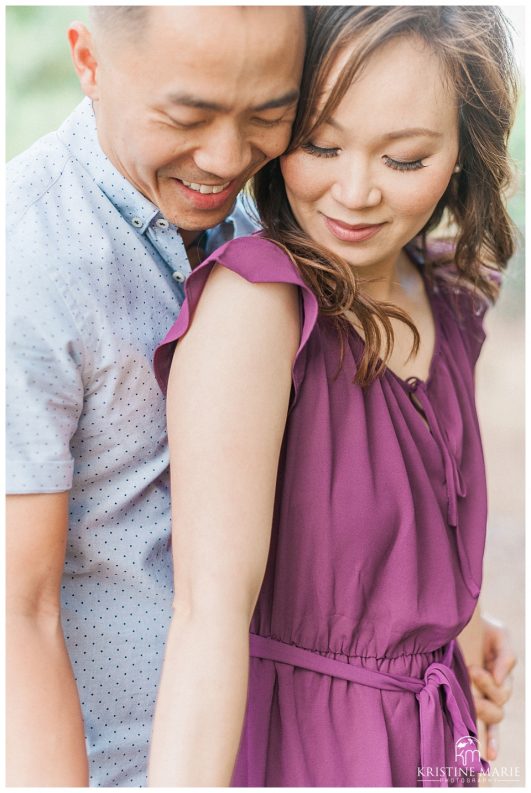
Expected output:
{"points": [[355, 188]]}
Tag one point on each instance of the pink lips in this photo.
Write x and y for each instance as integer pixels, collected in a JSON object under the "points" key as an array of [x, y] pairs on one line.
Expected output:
{"points": [[351, 233], [205, 201]]}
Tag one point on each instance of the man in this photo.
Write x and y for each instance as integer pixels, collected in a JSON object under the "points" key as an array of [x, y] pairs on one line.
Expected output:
{"points": [[182, 106], [104, 221]]}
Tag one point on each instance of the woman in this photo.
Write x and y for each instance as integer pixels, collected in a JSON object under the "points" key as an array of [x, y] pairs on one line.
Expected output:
{"points": [[327, 471]]}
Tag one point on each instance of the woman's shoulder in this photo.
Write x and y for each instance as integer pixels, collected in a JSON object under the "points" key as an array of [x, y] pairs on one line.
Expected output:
{"points": [[447, 277], [465, 304], [257, 259], [437, 261]]}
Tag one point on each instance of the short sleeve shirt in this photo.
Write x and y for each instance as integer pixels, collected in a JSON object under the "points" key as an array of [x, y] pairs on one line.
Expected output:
{"points": [[95, 276]]}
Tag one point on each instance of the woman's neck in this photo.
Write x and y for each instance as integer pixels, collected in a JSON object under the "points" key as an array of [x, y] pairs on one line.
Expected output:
{"points": [[384, 280]]}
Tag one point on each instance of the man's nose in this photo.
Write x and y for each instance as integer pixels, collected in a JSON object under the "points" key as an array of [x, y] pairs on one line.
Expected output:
{"points": [[224, 152], [356, 188]]}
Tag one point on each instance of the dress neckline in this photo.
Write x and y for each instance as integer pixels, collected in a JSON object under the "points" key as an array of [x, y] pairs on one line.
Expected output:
{"points": [[412, 383]]}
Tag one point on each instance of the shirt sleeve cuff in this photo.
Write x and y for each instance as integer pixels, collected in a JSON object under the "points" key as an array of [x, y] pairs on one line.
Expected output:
{"points": [[29, 476]]}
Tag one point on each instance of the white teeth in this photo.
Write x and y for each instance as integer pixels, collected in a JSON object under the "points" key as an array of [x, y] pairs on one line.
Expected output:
{"points": [[205, 189]]}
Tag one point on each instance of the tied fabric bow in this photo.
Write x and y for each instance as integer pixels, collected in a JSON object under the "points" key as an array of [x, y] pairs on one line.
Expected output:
{"points": [[455, 486], [432, 706], [440, 678]]}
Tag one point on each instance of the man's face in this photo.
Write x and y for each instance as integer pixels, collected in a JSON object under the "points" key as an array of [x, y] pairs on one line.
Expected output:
{"points": [[193, 106]]}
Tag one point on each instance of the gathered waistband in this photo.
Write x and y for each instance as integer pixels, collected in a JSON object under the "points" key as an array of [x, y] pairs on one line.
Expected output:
{"points": [[432, 706]]}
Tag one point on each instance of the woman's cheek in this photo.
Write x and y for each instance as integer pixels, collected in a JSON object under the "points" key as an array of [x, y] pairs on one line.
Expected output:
{"points": [[421, 198], [302, 176]]}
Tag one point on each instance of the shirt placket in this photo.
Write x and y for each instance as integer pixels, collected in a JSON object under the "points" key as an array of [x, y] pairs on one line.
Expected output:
{"points": [[168, 242]]}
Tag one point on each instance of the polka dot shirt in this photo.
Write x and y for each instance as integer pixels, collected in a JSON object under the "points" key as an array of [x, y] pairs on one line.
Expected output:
{"points": [[95, 279]]}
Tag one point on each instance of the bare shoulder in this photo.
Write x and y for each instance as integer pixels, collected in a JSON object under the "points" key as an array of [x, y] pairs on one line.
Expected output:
{"points": [[230, 295]]}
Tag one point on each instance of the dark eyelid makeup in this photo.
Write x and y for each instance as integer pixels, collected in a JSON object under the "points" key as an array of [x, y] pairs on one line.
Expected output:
{"points": [[404, 165], [413, 164], [319, 151]]}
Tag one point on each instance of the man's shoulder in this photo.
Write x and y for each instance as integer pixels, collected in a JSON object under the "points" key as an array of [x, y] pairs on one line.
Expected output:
{"points": [[33, 173], [51, 206]]}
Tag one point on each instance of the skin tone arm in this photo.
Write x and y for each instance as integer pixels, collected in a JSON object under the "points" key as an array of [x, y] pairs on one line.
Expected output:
{"points": [[227, 405], [45, 742], [490, 659]]}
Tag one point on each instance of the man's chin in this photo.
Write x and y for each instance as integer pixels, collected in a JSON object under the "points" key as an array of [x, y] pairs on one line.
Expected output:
{"points": [[197, 221]]}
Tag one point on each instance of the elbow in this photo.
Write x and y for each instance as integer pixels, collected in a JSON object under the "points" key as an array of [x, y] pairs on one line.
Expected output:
{"points": [[214, 607], [43, 612]]}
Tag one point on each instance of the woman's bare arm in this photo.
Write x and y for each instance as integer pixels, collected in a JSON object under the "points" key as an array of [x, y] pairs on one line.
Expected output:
{"points": [[227, 403]]}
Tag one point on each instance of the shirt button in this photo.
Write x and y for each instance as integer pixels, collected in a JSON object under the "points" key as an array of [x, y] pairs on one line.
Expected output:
{"points": [[161, 223], [137, 223], [179, 277]]}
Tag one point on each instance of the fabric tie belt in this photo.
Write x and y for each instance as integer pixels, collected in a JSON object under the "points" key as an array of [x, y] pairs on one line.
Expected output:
{"points": [[427, 690]]}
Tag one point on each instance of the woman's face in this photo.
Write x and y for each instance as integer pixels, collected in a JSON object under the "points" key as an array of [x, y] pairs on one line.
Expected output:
{"points": [[373, 173]]}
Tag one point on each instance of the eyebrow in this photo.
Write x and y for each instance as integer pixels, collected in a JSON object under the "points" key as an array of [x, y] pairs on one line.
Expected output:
{"points": [[411, 133], [399, 133], [201, 104]]}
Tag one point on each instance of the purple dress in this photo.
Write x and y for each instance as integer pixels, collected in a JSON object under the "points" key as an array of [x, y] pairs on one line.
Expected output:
{"points": [[375, 561]]}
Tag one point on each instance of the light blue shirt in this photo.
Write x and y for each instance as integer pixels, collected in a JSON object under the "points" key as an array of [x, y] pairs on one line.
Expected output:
{"points": [[95, 279]]}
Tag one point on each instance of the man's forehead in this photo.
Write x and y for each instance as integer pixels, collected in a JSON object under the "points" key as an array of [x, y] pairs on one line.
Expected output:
{"points": [[218, 57]]}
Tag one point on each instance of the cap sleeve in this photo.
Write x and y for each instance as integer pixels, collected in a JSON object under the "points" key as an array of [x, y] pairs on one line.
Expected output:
{"points": [[258, 260], [473, 309]]}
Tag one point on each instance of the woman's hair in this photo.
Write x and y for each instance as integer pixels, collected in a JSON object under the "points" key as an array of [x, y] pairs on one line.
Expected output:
{"points": [[474, 46]]}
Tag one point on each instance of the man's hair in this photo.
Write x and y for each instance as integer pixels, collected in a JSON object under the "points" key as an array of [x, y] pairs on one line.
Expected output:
{"points": [[133, 19], [127, 20]]}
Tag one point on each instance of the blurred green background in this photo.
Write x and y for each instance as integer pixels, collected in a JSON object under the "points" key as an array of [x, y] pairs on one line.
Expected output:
{"points": [[41, 86]]}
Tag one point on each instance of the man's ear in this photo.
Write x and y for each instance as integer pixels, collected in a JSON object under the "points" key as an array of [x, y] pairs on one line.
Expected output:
{"points": [[84, 58]]}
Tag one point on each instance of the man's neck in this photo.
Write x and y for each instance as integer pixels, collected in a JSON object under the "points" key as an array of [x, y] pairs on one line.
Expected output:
{"points": [[189, 236], [194, 251]]}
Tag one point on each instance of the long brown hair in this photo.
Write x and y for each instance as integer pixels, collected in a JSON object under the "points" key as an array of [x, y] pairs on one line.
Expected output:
{"points": [[475, 48]]}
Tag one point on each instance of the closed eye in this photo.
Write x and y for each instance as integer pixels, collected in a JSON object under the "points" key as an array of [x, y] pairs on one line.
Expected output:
{"points": [[320, 151], [266, 122], [403, 165], [185, 125]]}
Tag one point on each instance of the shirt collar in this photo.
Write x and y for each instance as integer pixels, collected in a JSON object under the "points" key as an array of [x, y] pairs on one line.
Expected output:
{"points": [[79, 134], [239, 223]]}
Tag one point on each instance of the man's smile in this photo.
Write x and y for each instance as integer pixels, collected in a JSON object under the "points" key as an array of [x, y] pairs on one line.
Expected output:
{"points": [[206, 197], [205, 189]]}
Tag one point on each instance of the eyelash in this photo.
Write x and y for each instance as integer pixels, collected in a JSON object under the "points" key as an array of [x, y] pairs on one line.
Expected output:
{"points": [[319, 151], [396, 165]]}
